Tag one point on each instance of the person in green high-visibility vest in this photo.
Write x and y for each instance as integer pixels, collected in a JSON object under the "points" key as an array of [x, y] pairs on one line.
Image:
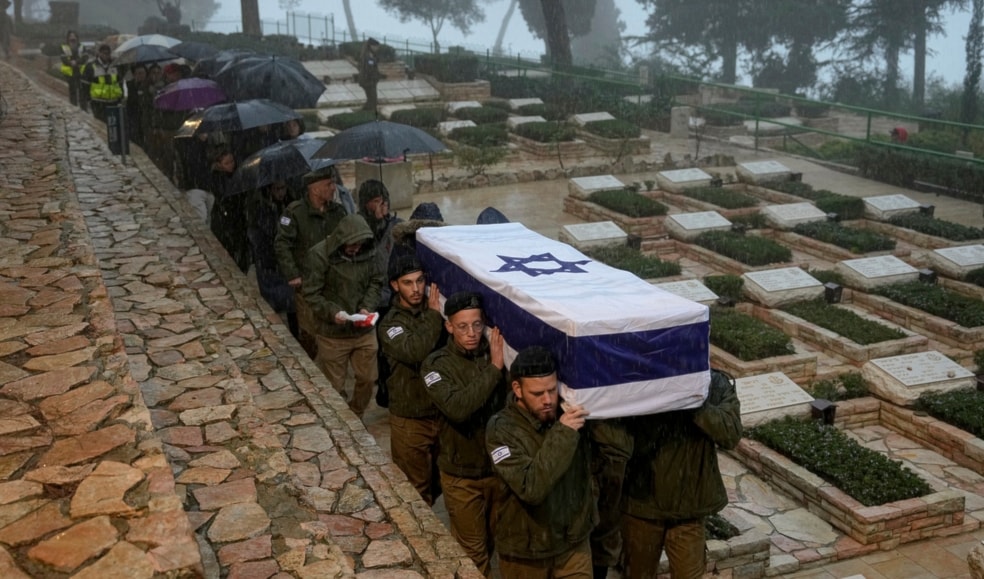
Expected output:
{"points": [[103, 81], [73, 60]]}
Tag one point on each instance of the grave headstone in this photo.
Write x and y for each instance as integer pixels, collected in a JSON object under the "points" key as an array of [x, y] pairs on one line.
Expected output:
{"points": [[957, 262], [884, 207], [455, 106], [770, 396], [789, 215], [761, 171], [513, 122], [585, 118], [690, 289], [902, 379], [446, 127], [870, 272], [687, 226], [582, 187], [677, 180], [680, 121], [778, 287], [588, 235], [516, 104]]}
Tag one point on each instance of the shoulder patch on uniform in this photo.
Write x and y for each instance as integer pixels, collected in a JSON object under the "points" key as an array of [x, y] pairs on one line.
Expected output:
{"points": [[284, 220], [431, 378], [394, 331], [500, 454]]}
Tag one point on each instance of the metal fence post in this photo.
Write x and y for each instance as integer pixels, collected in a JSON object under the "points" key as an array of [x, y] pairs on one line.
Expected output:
{"points": [[867, 134]]}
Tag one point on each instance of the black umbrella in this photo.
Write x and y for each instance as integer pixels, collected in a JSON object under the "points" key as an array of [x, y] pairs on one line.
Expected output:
{"points": [[143, 53], [379, 140], [238, 116], [278, 78], [194, 50], [207, 67], [278, 162]]}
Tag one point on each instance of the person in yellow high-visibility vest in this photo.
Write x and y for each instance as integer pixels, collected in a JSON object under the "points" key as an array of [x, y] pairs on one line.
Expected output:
{"points": [[73, 59], [103, 80]]}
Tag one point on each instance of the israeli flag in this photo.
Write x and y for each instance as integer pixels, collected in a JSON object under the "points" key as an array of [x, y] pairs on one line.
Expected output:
{"points": [[623, 346]]}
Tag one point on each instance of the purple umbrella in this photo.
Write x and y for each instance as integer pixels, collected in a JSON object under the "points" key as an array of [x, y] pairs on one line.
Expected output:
{"points": [[189, 93]]}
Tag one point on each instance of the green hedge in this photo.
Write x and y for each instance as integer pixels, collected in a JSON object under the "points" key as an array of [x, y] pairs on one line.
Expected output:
{"points": [[975, 276], [844, 387], [854, 240], [634, 261], [498, 104], [424, 117], [353, 50], [962, 408], [844, 322], [448, 67], [722, 197], [547, 111], [867, 475], [546, 132], [613, 129], [628, 202], [847, 207], [344, 121], [903, 168], [933, 299], [748, 249], [746, 337], [937, 227], [482, 115], [827, 276], [481, 136], [750, 220], [725, 285]]}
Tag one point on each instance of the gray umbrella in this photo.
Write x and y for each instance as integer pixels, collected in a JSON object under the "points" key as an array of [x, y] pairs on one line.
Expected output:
{"points": [[379, 140]]}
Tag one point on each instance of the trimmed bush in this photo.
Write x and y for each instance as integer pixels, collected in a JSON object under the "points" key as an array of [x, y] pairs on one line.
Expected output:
{"points": [[498, 104], [748, 249], [628, 202], [546, 132], [867, 475], [846, 206], [937, 227], [975, 276], [844, 387], [634, 261], [941, 141], [827, 276], [613, 129], [484, 135], [964, 179], [725, 286], [854, 240], [448, 67], [844, 322], [746, 337], [477, 160], [962, 408], [751, 220], [965, 311], [547, 111], [482, 115], [424, 117], [353, 49], [344, 121], [517, 87], [722, 197]]}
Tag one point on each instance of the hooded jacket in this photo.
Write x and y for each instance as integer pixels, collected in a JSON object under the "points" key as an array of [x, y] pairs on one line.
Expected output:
{"points": [[301, 228], [335, 282]]}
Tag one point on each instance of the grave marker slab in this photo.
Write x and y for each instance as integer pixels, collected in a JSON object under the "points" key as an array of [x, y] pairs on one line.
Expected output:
{"points": [[687, 226], [902, 379], [870, 272], [446, 127], [516, 104], [884, 207], [587, 235], [789, 215], [513, 122], [679, 179], [582, 187], [957, 262], [770, 396], [761, 171], [455, 106], [778, 287], [585, 118], [690, 289]]}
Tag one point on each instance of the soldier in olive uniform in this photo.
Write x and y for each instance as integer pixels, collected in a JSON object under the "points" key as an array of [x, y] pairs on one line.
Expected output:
{"points": [[465, 380]]}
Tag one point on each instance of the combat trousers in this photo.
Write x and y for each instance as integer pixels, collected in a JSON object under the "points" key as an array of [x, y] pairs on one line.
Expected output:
{"points": [[473, 505], [414, 447], [644, 541], [334, 356], [574, 564]]}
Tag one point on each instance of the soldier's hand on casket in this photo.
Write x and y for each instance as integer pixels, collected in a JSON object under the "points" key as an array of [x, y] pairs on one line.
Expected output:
{"points": [[434, 298], [574, 417], [495, 348]]}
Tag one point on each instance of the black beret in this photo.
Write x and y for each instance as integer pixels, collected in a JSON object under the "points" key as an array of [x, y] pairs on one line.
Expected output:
{"points": [[403, 265], [533, 362], [462, 301]]}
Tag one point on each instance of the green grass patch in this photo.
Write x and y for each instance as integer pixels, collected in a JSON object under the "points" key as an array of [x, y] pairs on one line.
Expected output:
{"points": [[937, 227], [634, 261], [748, 249], [746, 337], [844, 322], [722, 197], [844, 387], [851, 239], [933, 299], [628, 202], [962, 408]]}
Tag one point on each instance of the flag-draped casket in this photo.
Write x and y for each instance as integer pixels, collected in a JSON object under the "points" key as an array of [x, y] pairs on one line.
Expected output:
{"points": [[624, 347]]}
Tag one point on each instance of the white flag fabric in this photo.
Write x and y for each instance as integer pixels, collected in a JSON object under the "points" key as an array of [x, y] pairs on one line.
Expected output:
{"points": [[623, 346]]}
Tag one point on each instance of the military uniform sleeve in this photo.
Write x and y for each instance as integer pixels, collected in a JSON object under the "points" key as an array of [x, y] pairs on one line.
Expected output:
{"points": [[720, 416], [313, 285], [283, 245], [406, 343], [530, 476], [370, 300], [456, 398]]}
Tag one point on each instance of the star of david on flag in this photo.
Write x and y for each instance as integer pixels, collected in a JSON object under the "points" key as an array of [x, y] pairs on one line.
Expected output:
{"points": [[523, 264]]}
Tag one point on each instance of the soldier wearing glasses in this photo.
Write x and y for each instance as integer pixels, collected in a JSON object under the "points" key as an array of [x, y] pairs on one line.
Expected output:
{"points": [[465, 380]]}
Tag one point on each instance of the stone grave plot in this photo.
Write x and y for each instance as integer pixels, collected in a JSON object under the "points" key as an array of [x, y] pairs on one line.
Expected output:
{"points": [[957, 262], [884, 207], [516, 104], [386, 111], [777, 287], [515, 121], [870, 272], [687, 226], [583, 187], [800, 366], [341, 95], [327, 113], [455, 106], [789, 215], [577, 203], [691, 289], [585, 118], [590, 235], [902, 379], [446, 127], [677, 180], [760, 171], [771, 396]]}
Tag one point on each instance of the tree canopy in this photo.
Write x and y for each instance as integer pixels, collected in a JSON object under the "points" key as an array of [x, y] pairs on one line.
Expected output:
{"points": [[462, 14]]}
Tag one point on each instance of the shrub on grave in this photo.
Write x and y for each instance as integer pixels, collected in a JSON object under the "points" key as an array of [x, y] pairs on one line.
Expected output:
{"points": [[844, 387], [481, 136], [516, 87], [547, 111], [843, 322], [937, 227], [613, 129], [941, 141], [746, 337], [750, 220], [482, 115], [546, 132], [722, 197], [851, 239], [344, 121], [827, 276], [975, 276], [634, 261], [847, 207], [748, 249], [423, 118], [938, 301], [449, 67], [628, 202], [868, 476], [963, 408], [353, 49], [965, 179], [498, 104], [725, 285]]}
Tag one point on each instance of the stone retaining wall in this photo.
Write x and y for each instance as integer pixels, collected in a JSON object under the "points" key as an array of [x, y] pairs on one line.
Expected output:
{"points": [[478, 90], [644, 227], [568, 149], [958, 445], [936, 328], [910, 236], [636, 146]]}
